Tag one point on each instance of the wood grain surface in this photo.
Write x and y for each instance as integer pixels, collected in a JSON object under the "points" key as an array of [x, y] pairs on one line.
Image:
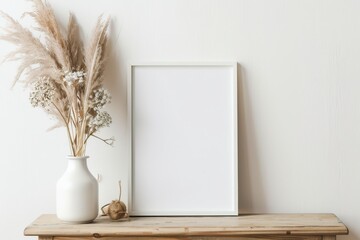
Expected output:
{"points": [[305, 226], [199, 238]]}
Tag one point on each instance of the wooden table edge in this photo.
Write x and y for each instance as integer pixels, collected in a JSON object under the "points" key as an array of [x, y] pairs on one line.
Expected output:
{"points": [[32, 230]]}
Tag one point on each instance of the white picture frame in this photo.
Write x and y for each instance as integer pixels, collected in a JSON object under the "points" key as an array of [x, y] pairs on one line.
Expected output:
{"points": [[183, 123]]}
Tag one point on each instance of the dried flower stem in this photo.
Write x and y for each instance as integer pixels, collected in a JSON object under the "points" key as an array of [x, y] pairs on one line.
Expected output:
{"points": [[67, 129], [108, 141]]}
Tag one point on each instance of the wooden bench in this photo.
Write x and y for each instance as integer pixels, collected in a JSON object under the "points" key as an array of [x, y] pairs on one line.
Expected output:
{"points": [[249, 227]]}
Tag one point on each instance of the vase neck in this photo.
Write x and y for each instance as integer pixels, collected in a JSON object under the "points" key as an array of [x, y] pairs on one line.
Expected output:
{"points": [[77, 162]]}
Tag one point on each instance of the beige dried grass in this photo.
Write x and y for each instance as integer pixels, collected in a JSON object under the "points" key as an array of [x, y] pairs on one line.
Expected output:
{"points": [[53, 54]]}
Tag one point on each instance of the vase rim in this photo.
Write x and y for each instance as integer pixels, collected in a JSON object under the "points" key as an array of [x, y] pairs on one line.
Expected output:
{"points": [[71, 157]]}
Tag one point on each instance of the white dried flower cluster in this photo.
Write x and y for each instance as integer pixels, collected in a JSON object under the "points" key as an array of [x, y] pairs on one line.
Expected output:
{"points": [[74, 77], [102, 119], [42, 93], [99, 98]]}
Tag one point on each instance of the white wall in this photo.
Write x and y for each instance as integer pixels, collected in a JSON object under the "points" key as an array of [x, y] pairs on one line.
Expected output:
{"points": [[299, 102]]}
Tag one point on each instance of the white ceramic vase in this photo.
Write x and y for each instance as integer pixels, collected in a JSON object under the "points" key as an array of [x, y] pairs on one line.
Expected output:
{"points": [[77, 198]]}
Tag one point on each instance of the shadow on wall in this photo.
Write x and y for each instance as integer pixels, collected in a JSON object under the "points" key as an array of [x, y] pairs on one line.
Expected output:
{"points": [[252, 197]]}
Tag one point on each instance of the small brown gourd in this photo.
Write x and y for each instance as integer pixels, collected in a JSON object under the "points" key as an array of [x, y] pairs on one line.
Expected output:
{"points": [[116, 209]]}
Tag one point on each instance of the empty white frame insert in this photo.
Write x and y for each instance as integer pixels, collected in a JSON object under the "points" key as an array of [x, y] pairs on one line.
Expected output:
{"points": [[183, 139]]}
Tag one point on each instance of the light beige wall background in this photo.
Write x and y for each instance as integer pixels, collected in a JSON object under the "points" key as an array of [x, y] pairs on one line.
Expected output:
{"points": [[299, 102]]}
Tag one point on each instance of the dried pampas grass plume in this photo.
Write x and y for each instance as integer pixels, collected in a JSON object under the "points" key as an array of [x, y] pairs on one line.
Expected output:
{"points": [[66, 74], [35, 58], [74, 43]]}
